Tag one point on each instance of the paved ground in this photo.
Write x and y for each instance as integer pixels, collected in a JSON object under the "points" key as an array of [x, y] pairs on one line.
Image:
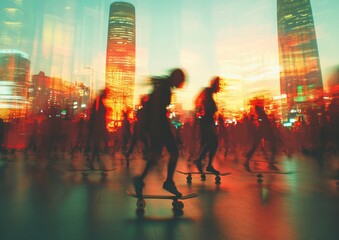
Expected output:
{"points": [[42, 199]]}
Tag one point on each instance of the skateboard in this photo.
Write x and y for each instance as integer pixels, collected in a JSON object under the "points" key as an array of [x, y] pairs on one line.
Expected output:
{"points": [[176, 204], [85, 172], [203, 176], [260, 174]]}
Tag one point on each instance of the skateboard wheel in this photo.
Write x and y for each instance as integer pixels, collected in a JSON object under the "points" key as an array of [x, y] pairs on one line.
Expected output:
{"points": [[178, 213], [260, 175], [203, 177], [178, 205], [141, 204], [217, 178]]}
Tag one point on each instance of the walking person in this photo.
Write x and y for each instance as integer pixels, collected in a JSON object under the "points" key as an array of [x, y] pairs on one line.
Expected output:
{"points": [[125, 132], [98, 134], [139, 131]]}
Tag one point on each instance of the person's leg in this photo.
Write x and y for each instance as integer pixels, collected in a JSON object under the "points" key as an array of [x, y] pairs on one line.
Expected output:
{"points": [[155, 152], [273, 150], [138, 181], [273, 141], [172, 164], [202, 155], [146, 146], [250, 153], [131, 147], [172, 148], [92, 156], [125, 139], [213, 139], [204, 146]]}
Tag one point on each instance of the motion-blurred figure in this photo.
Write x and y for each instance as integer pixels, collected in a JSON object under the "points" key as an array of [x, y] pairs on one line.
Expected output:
{"points": [[98, 134], [158, 129], [266, 131], [139, 131], [207, 107], [333, 109], [125, 132], [81, 136], [2, 135], [32, 143]]}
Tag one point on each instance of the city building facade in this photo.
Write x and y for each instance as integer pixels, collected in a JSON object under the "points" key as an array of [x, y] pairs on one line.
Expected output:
{"points": [[14, 83], [300, 73], [120, 59], [53, 97]]}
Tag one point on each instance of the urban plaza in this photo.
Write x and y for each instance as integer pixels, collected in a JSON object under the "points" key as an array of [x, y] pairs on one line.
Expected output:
{"points": [[169, 120]]}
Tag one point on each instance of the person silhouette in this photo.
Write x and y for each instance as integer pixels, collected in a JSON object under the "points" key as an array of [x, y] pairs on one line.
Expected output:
{"points": [[266, 131], [2, 135], [125, 132], [98, 133], [158, 129], [139, 131], [209, 139]]}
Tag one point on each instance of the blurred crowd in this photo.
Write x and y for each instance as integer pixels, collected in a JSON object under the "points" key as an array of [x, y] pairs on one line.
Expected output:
{"points": [[313, 134]]}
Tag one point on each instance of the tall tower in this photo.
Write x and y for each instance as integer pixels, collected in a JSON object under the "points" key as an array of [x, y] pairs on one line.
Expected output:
{"points": [[120, 59], [14, 83], [300, 74]]}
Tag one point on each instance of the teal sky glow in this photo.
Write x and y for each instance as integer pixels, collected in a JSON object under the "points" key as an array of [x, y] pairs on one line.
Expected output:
{"points": [[237, 39]]}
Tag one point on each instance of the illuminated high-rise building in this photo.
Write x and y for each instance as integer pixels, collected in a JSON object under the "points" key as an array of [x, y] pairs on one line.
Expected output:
{"points": [[14, 83], [120, 59], [52, 96], [300, 74]]}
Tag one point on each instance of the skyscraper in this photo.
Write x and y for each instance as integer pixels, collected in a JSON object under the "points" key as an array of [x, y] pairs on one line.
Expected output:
{"points": [[300, 74], [14, 83], [120, 59]]}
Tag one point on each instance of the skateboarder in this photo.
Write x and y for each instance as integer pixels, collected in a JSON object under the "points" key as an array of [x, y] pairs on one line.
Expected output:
{"points": [[158, 129], [264, 131], [207, 108]]}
